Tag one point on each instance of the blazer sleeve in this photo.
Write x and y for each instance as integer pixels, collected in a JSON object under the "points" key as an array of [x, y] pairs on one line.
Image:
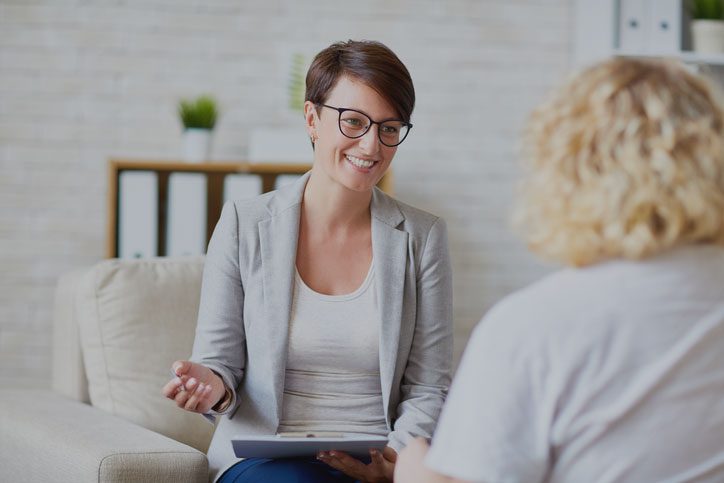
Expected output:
{"points": [[427, 375], [220, 342]]}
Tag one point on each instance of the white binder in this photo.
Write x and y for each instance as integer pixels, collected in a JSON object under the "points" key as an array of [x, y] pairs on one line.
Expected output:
{"points": [[137, 215], [664, 27], [186, 215], [652, 27], [633, 26]]}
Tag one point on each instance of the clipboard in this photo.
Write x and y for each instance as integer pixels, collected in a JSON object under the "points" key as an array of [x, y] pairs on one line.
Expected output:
{"points": [[299, 445]]}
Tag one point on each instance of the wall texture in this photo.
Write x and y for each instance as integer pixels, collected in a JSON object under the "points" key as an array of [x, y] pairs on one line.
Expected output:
{"points": [[82, 81]]}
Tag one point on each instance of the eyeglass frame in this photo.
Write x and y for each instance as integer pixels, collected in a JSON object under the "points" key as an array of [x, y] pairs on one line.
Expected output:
{"points": [[340, 110]]}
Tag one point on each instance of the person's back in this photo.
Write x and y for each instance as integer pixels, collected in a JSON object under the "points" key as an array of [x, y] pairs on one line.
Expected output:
{"points": [[626, 363], [611, 370]]}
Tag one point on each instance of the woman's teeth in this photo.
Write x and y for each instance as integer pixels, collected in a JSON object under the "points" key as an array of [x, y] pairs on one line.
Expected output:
{"points": [[360, 163]]}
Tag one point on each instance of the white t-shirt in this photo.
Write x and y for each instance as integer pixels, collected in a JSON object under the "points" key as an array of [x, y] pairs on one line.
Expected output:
{"points": [[613, 372]]}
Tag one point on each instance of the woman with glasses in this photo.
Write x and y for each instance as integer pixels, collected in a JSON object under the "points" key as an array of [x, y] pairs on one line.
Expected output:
{"points": [[326, 305], [610, 370]]}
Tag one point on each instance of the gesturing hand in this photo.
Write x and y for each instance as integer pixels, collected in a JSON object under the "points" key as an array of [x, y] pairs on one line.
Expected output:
{"points": [[195, 388], [380, 469]]}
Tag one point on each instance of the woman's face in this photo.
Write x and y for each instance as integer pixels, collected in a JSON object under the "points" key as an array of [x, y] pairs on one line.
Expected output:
{"points": [[357, 164]]}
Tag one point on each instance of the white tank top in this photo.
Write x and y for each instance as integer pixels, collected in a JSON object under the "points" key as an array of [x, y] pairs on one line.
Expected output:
{"points": [[332, 379]]}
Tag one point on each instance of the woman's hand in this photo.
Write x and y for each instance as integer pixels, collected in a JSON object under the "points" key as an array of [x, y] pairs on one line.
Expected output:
{"points": [[380, 469], [195, 388]]}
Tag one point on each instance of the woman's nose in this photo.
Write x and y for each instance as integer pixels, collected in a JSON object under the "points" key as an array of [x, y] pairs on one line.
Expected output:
{"points": [[370, 142]]}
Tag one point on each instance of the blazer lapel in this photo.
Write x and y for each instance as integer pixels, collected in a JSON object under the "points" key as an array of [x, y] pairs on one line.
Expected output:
{"points": [[389, 249], [278, 237]]}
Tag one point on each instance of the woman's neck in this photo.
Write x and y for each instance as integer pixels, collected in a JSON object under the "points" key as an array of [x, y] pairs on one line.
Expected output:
{"points": [[331, 205]]}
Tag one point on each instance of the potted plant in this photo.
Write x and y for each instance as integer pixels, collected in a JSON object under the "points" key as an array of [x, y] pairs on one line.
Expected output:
{"points": [[198, 117], [707, 25]]}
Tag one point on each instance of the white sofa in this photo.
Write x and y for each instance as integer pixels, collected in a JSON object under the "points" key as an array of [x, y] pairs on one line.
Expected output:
{"points": [[118, 326]]}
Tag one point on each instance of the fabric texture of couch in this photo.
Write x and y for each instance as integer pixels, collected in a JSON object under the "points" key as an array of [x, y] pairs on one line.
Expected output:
{"points": [[118, 326]]}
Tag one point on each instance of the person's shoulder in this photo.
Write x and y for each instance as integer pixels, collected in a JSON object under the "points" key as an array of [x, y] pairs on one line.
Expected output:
{"points": [[414, 219], [559, 302], [253, 209], [418, 216], [250, 211], [246, 212]]}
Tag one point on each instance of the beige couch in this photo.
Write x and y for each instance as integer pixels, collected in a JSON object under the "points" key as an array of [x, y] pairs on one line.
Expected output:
{"points": [[118, 326]]}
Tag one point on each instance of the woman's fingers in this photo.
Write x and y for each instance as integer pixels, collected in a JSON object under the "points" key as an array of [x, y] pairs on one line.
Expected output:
{"points": [[384, 462], [190, 383], [377, 458], [181, 397], [192, 387], [199, 399], [184, 391], [181, 367], [176, 385], [204, 404], [193, 399], [171, 388], [346, 464], [389, 454]]}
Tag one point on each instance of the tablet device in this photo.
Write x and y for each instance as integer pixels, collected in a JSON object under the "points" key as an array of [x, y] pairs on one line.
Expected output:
{"points": [[296, 445]]}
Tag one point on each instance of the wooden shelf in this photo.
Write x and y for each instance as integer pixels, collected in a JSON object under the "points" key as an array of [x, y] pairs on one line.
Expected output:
{"points": [[220, 167]]}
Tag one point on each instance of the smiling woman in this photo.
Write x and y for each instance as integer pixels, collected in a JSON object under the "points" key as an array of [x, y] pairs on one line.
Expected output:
{"points": [[326, 306]]}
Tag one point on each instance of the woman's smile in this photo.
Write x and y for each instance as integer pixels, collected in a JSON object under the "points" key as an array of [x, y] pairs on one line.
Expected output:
{"points": [[361, 164]]}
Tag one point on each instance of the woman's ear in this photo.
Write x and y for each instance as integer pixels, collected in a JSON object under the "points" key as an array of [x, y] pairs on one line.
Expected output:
{"points": [[311, 119]]}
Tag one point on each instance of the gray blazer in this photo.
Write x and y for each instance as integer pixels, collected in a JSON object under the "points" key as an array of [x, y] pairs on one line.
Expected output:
{"points": [[246, 298]]}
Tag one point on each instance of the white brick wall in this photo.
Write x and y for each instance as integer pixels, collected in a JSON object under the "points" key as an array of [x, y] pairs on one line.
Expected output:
{"points": [[84, 81]]}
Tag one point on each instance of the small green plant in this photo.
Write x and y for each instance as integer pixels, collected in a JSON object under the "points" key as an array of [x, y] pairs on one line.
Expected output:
{"points": [[707, 9], [297, 84], [199, 113]]}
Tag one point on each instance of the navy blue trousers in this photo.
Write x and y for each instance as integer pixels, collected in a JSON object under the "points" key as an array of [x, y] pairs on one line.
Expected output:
{"points": [[291, 470]]}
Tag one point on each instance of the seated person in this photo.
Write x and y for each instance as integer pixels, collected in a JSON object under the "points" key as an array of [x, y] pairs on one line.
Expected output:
{"points": [[326, 305], [611, 369]]}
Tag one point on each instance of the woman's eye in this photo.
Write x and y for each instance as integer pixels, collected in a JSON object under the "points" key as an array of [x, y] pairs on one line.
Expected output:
{"points": [[352, 122], [389, 129]]}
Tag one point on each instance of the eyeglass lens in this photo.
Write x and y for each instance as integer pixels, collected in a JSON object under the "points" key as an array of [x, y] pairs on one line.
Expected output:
{"points": [[354, 124]]}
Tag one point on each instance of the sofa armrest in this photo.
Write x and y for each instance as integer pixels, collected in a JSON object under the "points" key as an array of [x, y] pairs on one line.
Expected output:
{"points": [[47, 437]]}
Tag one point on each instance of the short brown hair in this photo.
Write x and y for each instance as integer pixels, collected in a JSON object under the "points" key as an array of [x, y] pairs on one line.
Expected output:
{"points": [[369, 62], [624, 161]]}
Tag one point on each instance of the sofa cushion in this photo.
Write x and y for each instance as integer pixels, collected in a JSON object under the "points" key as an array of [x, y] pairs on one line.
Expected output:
{"points": [[47, 437], [135, 318], [67, 373]]}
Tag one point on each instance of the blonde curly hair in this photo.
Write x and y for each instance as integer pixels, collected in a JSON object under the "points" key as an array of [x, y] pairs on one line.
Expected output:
{"points": [[624, 161]]}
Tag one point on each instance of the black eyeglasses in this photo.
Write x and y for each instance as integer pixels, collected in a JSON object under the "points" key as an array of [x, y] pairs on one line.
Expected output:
{"points": [[355, 124]]}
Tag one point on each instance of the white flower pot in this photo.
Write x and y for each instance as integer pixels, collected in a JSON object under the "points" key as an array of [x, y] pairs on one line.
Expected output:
{"points": [[708, 36], [197, 145]]}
